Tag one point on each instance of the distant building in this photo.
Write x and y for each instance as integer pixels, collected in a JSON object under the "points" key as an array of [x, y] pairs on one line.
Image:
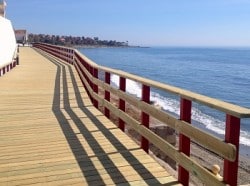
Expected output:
{"points": [[21, 36], [2, 8]]}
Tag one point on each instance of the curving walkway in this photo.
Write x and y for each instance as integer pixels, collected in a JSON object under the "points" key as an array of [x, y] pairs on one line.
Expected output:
{"points": [[51, 134]]}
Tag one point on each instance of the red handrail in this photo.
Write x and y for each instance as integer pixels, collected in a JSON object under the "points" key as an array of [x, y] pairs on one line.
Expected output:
{"points": [[233, 113]]}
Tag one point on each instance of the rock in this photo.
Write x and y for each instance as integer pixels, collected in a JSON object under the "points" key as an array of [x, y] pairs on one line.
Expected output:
{"points": [[167, 134]]}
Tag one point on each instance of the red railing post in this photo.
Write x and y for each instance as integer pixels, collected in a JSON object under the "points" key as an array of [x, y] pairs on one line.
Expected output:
{"points": [[66, 55], [184, 142], [232, 135], [95, 87], [107, 94], [90, 70], [145, 117], [122, 102], [72, 57], [87, 67], [59, 52]]}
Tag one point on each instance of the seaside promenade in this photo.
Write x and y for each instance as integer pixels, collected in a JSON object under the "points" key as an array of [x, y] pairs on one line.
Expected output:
{"points": [[51, 134]]}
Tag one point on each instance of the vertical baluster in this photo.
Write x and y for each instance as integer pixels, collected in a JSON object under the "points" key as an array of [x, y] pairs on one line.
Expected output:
{"points": [[61, 52], [145, 117], [84, 74], [107, 94], [86, 68], [184, 142], [232, 135], [58, 51], [90, 69], [122, 102], [68, 56], [72, 57], [95, 87]]}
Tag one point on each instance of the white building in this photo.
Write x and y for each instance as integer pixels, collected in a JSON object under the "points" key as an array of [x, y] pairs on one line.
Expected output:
{"points": [[8, 47], [21, 36]]}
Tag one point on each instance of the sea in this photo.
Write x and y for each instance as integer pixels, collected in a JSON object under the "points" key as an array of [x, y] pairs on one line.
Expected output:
{"points": [[222, 73]]}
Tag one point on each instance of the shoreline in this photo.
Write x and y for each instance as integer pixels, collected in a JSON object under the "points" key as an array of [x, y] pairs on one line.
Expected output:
{"points": [[105, 46]]}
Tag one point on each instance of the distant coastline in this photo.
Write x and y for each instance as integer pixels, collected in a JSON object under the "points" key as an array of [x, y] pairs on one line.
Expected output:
{"points": [[106, 46], [76, 41]]}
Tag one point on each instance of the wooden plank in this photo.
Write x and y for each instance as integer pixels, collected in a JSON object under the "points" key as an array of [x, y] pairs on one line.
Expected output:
{"points": [[65, 143], [126, 169]]}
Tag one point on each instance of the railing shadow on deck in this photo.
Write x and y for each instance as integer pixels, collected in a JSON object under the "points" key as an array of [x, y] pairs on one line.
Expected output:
{"points": [[88, 169], [227, 148]]}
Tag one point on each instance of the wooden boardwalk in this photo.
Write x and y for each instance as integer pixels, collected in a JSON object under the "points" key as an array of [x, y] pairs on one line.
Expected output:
{"points": [[50, 133]]}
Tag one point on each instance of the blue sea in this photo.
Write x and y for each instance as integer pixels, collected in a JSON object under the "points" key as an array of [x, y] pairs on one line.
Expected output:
{"points": [[222, 73]]}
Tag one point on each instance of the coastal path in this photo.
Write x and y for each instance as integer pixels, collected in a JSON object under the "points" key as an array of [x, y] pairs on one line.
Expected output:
{"points": [[51, 134]]}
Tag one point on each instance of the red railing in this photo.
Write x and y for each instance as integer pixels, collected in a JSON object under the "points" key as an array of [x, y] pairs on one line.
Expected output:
{"points": [[6, 68], [228, 148]]}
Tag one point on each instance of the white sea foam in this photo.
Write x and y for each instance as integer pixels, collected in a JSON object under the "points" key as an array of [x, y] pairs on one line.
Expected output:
{"points": [[172, 105], [131, 86]]}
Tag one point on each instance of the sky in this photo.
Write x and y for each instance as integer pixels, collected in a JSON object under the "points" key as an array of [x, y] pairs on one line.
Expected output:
{"points": [[140, 22]]}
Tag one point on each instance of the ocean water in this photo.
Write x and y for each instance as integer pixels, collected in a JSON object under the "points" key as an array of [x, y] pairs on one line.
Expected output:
{"points": [[222, 73]]}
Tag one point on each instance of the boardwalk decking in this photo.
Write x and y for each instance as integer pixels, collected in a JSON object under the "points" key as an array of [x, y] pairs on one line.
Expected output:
{"points": [[50, 133]]}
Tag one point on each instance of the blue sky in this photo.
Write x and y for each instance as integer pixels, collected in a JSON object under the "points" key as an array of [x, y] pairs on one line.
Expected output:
{"points": [[141, 22]]}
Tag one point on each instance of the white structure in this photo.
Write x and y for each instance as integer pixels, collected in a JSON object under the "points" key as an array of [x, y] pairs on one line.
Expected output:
{"points": [[8, 46]]}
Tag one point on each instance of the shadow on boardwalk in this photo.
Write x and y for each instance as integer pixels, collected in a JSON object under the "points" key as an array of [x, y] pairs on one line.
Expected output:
{"points": [[91, 174]]}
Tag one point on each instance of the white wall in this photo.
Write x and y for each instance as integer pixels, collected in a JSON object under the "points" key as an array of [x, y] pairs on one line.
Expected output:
{"points": [[7, 42]]}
